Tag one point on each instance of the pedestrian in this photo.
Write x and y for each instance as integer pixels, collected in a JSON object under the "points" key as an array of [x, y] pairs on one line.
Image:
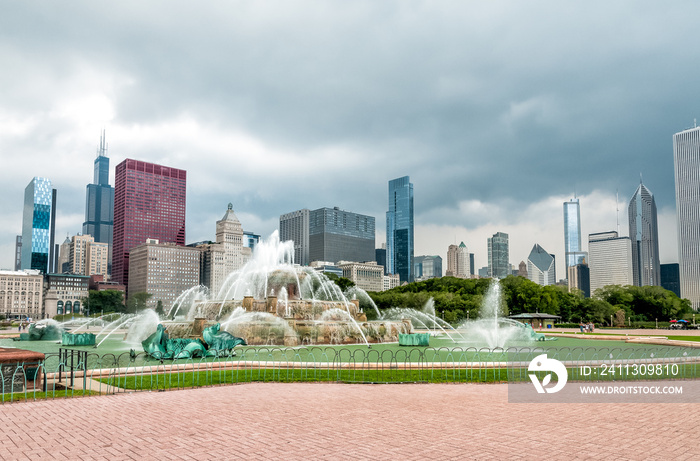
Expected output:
{"points": [[581, 326], [19, 328]]}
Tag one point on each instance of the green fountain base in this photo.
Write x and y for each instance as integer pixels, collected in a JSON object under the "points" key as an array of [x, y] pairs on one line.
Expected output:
{"points": [[414, 339], [78, 339]]}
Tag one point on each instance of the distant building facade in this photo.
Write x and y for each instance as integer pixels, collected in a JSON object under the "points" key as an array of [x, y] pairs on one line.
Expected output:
{"points": [[368, 276], [336, 235], [87, 257], [399, 229], [64, 294], [427, 267], [644, 236], [670, 278], [498, 254], [380, 257], [458, 261], [522, 269], [610, 260], [18, 252], [579, 277], [164, 270], [99, 202], [21, 294], [294, 226], [391, 281], [540, 266], [149, 203]]}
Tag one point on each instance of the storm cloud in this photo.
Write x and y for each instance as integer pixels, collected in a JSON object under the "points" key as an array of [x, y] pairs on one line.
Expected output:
{"points": [[498, 111]]}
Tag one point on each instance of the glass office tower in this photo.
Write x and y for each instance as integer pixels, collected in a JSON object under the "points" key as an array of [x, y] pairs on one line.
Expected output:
{"points": [[573, 253], [399, 229], [37, 229], [498, 254]]}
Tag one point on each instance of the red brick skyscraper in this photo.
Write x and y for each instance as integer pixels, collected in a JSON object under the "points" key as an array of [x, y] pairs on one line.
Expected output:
{"points": [[149, 203]]}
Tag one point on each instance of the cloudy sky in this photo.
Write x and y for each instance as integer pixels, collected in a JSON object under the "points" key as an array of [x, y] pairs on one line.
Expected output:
{"points": [[498, 111]]}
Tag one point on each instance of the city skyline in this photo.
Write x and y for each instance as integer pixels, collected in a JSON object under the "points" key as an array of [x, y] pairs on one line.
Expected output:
{"points": [[494, 141]]}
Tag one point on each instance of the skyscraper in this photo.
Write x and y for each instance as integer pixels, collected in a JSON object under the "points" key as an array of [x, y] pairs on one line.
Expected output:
{"points": [[610, 261], [399, 229], [458, 261], [498, 253], [540, 266], [294, 226], [149, 202], [644, 235], [686, 162], [337, 235], [573, 252], [38, 225], [99, 201]]}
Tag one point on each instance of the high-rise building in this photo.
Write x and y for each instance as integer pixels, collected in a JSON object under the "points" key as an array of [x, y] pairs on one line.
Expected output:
{"points": [[610, 260], [579, 277], [336, 235], [18, 252], [399, 229], [670, 278], [522, 269], [164, 270], [471, 264], [294, 226], [686, 162], [458, 261], [498, 254], [573, 243], [37, 229], [149, 202], [87, 257], [63, 266], [540, 266], [644, 234], [380, 257], [99, 201], [427, 267]]}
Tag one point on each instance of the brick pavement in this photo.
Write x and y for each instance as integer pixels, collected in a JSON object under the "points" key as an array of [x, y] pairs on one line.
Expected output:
{"points": [[342, 421]]}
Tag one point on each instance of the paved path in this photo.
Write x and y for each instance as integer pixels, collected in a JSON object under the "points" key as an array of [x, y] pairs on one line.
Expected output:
{"points": [[342, 421]]}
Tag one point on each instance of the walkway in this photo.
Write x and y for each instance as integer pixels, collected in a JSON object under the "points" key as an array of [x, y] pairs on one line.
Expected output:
{"points": [[342, 421]]}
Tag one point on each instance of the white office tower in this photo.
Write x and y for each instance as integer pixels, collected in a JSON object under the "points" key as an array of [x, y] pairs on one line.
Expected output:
{"points": [[610, 260]]}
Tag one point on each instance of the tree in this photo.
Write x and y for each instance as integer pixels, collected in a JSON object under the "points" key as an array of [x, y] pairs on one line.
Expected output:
{"points": [[342, 282], [104, 301], [159, 309], [137, 302]]}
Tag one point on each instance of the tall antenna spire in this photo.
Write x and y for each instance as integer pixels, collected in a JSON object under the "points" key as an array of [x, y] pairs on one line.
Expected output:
{"points": [[102, 150]]}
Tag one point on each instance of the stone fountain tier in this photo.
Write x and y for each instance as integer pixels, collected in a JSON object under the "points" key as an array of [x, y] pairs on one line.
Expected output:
{"points": [[297, 332], [297, 309]]}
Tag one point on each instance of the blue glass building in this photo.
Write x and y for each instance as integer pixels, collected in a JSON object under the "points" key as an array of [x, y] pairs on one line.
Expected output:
{"points": [[99, 202], [37, 229], [399, 229], [573, 254]]}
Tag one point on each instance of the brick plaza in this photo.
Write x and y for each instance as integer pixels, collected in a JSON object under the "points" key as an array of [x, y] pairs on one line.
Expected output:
{"points": [[342, 421]]}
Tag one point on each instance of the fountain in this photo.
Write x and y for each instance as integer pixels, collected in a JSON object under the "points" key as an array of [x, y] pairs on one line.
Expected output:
{"points": [[491, 329], [272, 301]]}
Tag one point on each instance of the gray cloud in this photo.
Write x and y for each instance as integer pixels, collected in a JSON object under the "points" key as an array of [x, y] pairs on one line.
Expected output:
{"points": [[279, 106]]}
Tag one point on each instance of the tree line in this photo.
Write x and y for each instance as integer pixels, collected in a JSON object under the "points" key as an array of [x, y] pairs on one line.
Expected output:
{"points": [[460, 299]]}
